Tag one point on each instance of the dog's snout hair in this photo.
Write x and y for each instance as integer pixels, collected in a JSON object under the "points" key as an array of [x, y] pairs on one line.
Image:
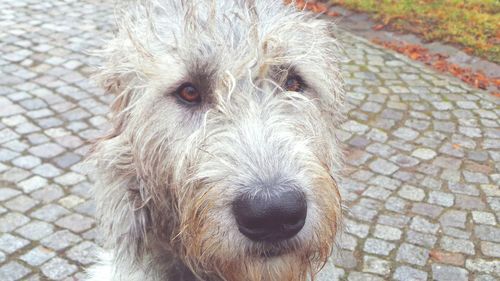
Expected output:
{"points": [[215, 100]]}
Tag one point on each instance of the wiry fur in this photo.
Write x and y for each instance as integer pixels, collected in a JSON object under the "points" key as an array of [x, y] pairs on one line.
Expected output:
{"points": [[168, 173]]}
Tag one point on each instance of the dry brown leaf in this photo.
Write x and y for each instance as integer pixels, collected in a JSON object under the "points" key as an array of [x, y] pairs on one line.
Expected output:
{"points": [[440, 62]]}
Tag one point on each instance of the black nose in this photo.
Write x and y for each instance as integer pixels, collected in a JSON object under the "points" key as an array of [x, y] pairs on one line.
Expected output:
{"points": [[270, 218]]}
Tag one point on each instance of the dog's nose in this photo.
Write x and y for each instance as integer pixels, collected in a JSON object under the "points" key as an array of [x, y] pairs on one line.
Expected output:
{"points": [[270, 218]]}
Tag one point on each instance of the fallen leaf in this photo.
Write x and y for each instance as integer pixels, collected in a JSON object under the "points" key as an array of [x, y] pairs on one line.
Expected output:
{"points": [[334, 14]]}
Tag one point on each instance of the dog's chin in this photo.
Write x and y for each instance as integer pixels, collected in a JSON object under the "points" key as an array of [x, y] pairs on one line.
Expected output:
{"points": [[265, 262], [280, 263], [274, 253], [262, 250]]}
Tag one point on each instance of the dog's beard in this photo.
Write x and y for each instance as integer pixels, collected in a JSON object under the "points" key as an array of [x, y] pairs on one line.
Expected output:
{"points": [[290, 267], [276, 264]]}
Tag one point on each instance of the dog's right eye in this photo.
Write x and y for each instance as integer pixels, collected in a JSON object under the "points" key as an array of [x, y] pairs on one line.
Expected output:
{"points": [[188, 93], [294, 83]]}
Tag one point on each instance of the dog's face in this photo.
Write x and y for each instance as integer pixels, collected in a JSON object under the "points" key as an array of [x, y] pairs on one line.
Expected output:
{"points": [[224, 125]]}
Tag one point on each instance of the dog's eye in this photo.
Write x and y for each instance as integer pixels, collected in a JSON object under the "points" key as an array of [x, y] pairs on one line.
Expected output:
{"points": [[294, 84], [188, 93]]}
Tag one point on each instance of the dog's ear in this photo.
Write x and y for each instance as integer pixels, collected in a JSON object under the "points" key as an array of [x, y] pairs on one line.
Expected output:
{"points": [[117, 77]]}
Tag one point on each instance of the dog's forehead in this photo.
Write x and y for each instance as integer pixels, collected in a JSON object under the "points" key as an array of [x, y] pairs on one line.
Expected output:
{"points": [[228, 25], [210, 40]]}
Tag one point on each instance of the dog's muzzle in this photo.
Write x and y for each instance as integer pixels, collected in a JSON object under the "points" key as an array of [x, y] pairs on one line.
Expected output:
{"points": [[274, 217]]}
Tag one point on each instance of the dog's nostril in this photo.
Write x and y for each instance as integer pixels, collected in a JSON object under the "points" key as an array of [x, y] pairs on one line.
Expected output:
{"points": [[270, 218]]}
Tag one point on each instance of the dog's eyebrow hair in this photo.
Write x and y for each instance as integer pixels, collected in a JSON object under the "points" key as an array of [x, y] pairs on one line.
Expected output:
{"points": [[202, 74]]}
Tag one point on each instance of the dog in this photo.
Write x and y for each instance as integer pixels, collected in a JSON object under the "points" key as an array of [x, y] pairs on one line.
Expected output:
{"points": [[222, 162]]}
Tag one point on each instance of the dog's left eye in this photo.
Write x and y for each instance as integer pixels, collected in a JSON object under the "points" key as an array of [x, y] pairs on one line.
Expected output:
{"points": [[294, 84], [188, 93]]}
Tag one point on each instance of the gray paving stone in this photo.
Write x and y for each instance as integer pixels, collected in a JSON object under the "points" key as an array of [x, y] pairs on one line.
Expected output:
{"points": [[358, 229], [11, 221], [47, 150], [411, 193], [345, 259], [404, 161], [83, 253], [453, 218], [70, 178], [363, 213], [457, 245], [75, 222], [359, 276], [21, 203], [463, 189], [425, 209], [469, 202], [396, 204], [7, 193], [442, 272], [404, 273], [58, 268], [385, 182], [48, 194], [483, 266], [387, 232], [377, 192], [7, 135], [457, 233], [384, 167], [10, 243], [424, 153], [379, 149], [377, 135], [14, 174], [70, 201], [378, 247], [484, 277], [27, 162], [47, 171], [50, 213], [376, 265], [396, 220], [421, 239], [441, 198], [406, 134], [35, 230], [60, 240], [38, 256], [412, 254], [346, 241], [490, 249], [13, 271], [483, 217], [33, 183], [355, 127], [423, 225], [67, 160], [473, 177]]}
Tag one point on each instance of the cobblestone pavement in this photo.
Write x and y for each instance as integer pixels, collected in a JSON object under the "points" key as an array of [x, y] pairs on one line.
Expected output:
{"points": [[423, 155]]}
